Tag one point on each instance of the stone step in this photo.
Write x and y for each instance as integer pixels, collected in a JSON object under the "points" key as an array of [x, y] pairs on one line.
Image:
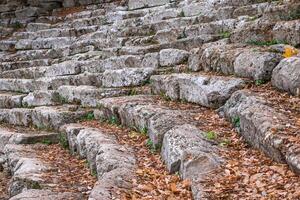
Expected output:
{"points": [[287, 31], [61, 69], [241, 60], [44, 43], [34, 194], [7, 45], [88, 96], [93, 21], [135, 4], [4, 66], [51, 83], [183, 44], [27, 172], [11, 100], [116, 62], [263, 127], [182, 144], [43, 117], [286, 75], [55, 33], [34, 27], [111, 161], [208, 91], [24, 136], [27, 55], [41, 98]]}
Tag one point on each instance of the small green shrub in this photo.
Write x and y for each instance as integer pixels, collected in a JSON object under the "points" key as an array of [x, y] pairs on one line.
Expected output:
{"points": [[113, 120], [63, 141], [236, 121], [265, 43], [144, 131], [259, 82], [46, 142], [211, 135], [225, 34]]}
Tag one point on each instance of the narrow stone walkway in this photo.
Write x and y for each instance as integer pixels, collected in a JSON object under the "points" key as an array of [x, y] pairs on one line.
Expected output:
{"points": [[152, 179], [70, 173], [4, 178]]}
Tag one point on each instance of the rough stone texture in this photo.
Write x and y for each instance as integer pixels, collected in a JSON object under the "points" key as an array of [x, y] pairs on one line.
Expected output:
{"points": [[40, 98], [141, 113], [186, 150], [288, 31], [171, 57], [126, 77], [45, 195], [255, 121], [286, 76], [87, 95], [11, 100], [256, 65], [204, 90], [25, 167], [136, 4]]}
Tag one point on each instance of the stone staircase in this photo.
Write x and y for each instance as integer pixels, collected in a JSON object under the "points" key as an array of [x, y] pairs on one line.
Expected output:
{"points": [[123, 63]]}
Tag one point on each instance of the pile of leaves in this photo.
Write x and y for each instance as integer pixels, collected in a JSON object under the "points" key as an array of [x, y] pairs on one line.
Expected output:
{"points": [[71, 173], [247, 173], [153, 180], [4, 179]]}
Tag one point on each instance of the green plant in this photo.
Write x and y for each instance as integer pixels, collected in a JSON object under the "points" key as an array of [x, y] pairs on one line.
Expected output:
{"points": [[17, 25], [35, 185], [181, 14], [165, 96], [293, 15], [211, 135], [88, 117], [225, 143], [94, 173], [265, 43], [225, 34], [152, 147], [144, 130], [259, 82], [61, 99], [133, 92], [113, 120], [236, 121], [63, 140], [47, 142]]}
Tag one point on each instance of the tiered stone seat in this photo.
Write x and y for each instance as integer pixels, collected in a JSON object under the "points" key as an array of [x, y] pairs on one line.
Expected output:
{"points": [[104, 59]]}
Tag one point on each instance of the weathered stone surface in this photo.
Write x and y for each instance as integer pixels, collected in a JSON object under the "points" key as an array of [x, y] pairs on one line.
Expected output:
{"points": [[256, 65], [287, 31], [204, 90], [171, 57], [136, 4], [113, 63], [142, 113], [40, 98], [33, 194], [286, 76], [186, 150], [11, 100], [25, 137], [88, 95], [126, 77], [54, 117], [25, 167], [71, 131], [256, 122], [18, 85]]}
